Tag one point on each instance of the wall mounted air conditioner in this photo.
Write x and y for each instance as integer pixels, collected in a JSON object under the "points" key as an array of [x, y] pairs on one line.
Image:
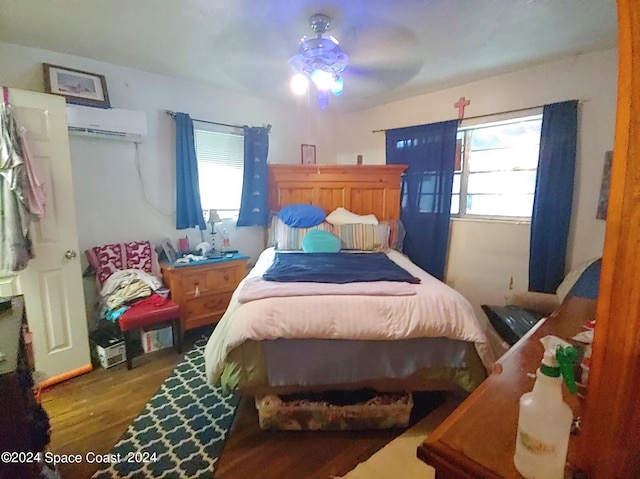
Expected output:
{"points": [[107, 123]]}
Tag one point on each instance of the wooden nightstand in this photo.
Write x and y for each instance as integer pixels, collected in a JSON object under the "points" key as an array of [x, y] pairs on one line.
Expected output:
{"points": [[203, 289]]}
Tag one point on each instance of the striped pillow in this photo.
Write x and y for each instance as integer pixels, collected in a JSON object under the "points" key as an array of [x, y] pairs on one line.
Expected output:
{"points": [[289, 238], [271, 229], [396, 234], [363, 237]]}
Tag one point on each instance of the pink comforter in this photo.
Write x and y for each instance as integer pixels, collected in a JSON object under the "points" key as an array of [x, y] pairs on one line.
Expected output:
{"points": [[436, 310], [257, 288]]}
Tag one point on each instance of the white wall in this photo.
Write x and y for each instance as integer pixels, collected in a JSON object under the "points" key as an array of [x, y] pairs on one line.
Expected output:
{"points": [[124, 192], [115, 203], [483, 255]]}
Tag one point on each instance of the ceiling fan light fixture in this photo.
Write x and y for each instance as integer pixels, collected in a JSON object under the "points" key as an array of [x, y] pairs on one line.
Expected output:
{"points": [[321, 60], [322, 78], [337, 85], [299, 84], [323, 99]]}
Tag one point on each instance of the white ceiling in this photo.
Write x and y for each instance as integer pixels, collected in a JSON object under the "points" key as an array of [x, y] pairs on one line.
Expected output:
{"points": [[396, 49]]}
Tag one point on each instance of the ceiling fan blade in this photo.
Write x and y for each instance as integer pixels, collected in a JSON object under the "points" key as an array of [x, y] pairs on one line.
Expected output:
{"points": [[253, 57], [381, 55]]}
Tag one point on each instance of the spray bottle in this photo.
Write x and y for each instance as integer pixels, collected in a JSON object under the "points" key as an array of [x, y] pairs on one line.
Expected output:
{"points": [[544, 423]]}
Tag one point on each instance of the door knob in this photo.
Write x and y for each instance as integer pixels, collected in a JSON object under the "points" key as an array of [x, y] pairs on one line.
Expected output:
{"points": [[70, 254]]}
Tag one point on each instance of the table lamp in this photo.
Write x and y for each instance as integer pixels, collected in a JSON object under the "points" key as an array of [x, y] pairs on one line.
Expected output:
{"points": [[213, 219]]}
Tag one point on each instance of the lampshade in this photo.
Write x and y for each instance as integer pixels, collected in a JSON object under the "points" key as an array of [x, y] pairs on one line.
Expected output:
{"points": [[320, 60], [213, 217]]}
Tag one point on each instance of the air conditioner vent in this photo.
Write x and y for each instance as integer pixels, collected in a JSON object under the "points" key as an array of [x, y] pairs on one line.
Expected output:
{"points": [[112, 123]]}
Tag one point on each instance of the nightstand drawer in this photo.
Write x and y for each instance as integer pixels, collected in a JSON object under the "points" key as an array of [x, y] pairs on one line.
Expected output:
{"points": [[226, 279], [203, 289], [200, 282], [195, 283], [203, 309]]}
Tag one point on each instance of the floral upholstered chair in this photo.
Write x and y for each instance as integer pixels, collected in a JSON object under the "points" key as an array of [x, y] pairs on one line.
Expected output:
{"points": [[131, 295]]}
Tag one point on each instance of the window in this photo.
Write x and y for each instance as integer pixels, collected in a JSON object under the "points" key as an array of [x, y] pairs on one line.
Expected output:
{"points": [[495, 172], [220, 168]]}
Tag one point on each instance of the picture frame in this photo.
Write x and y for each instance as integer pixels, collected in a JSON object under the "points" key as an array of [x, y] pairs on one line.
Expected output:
{"points": [[168, 250], [603, 199], [77, 86], [308, 154]]}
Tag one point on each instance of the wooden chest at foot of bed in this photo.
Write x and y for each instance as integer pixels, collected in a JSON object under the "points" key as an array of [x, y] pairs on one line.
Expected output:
{"points": [[383, 411]]}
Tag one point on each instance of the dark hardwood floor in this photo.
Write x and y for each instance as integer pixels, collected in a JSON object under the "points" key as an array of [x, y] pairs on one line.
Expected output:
{"points": [[250, 452], [90, 413]]}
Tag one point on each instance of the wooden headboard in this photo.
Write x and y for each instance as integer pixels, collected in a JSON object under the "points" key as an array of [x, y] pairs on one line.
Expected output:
{"points": [[358, 188]]}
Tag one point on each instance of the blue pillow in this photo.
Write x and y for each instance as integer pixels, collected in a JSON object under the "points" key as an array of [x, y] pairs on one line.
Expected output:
{"points": [[320, 241], [588, 283], [302, 215]]}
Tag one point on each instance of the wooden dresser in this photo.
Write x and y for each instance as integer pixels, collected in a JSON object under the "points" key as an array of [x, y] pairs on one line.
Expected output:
{"points": [[478, 439], [24, 424], [203, 289]]}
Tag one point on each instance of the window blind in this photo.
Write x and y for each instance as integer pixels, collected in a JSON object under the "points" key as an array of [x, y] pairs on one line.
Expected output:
{"points": [[220, 169]]}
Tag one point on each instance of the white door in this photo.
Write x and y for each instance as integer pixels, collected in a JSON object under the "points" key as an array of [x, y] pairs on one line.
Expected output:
{"points": [[52, 281]]}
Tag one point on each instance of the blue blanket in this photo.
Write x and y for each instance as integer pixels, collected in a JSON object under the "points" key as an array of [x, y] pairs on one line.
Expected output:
{"points": [[337, 268]]}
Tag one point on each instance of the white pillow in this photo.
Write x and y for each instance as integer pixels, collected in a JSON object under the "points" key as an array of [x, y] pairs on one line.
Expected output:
{"points": [[341, 216]]}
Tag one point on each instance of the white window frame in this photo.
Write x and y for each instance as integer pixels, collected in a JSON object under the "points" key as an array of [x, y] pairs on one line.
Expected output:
{"points": [[464, 174], [224, 213]]}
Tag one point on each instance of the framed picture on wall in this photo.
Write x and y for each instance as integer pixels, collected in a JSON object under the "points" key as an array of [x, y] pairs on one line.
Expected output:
{"points": [[78, 87], [308, 154], [603, 199]]}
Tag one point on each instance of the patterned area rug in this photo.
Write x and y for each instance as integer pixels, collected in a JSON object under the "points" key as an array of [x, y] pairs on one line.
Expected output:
{"points": [[180, 432]]}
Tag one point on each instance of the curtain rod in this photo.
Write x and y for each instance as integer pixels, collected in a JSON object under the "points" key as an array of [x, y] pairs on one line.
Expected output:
{"points": [[517, 110], [173, 113]]}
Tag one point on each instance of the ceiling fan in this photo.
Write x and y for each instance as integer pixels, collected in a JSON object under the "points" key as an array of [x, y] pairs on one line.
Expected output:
{"points": [[373, 56], [320, 61]]}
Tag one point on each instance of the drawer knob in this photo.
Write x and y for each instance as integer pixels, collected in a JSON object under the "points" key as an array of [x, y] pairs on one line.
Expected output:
{"points": [[226, 277]]}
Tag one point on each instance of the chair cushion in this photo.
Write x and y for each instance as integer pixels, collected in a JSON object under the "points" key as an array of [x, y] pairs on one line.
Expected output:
{"points": [[109, 258], [146, 314]]}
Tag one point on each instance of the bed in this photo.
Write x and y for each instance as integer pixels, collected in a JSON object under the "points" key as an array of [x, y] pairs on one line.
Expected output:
{"points": [[390, 337]]}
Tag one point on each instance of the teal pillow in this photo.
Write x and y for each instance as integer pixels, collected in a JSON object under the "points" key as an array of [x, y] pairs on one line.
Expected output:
{"points": [[319, 241]]}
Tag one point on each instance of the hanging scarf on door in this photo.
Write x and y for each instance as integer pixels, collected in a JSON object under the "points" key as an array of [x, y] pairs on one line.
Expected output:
{"points": [[15, 218]]}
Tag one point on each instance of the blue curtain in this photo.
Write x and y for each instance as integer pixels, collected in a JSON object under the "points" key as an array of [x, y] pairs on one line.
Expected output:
{"points": [[188, 207], [553, 196], [254, 210], [429, 150]]}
